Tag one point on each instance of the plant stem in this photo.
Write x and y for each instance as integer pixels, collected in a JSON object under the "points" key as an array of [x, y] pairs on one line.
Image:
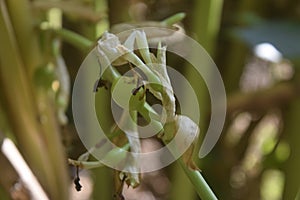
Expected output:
{"points": [[200, 185], [207, 17], [74, 8], [18, 103], [39, 140], [205, 25], [298, 195], [291, 130], [173, 19], [73, 38]]}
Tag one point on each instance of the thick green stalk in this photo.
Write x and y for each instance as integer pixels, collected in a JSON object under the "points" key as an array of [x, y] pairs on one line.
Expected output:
{"points": [[205, 25], [206, 22], [75, 9], [18, 102], [27, 42], [26, 36], [291, 131], [84, 39], [298, 195], [3, 194]]}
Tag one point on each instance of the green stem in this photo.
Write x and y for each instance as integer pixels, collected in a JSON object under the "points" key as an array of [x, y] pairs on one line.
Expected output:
{"points": [[73, 38], [18, 102], [298, 195], [39, 139], [173, 19], [291, 132], [205, 25], [200, 185], [111, 74], [112, 154], [207, 18], [72, 8]]}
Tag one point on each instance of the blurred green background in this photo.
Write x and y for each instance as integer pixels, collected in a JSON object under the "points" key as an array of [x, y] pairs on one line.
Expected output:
{"points": [[255, 44]]}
